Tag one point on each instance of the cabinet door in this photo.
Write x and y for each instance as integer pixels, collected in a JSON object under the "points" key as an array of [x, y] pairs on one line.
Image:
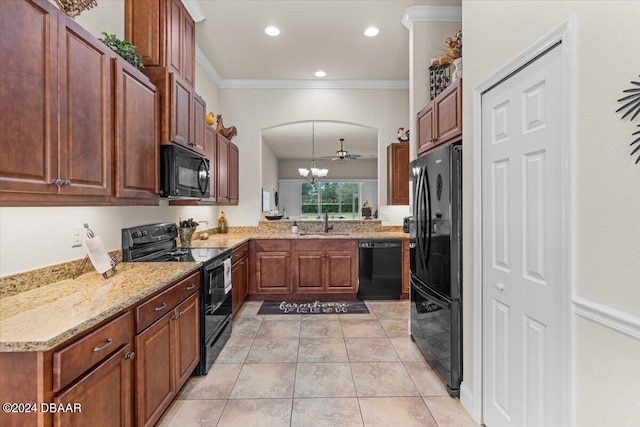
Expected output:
{"points": [[143, 28], [308, 271], [155, 375], [222, 163], [86, 125], [187, 335], [29, 128], [341, 271], [136, 127], [272, 272], [188, 48], [425, 129], [104, 395], [174, 34], [210, 150], [398, 174], [239, 279], [181, 130], [234, 174], [406, 258], [199, 112], [448, 114]]}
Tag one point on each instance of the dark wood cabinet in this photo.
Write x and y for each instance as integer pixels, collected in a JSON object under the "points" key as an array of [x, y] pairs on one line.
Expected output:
{"points": [[222, 166], [406, 259], [164, 34], [234, 174], [181, 121], [136, 145], [70, 139], [440, 122], [239, 276], [398, 174], [271, 267], [29, 128], [167, 351], [325, 266], [199, 112], [104, 395]]}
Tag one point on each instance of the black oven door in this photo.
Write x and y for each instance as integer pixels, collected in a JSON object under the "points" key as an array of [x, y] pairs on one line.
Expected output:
{"points": [[184, 174], [216, 302]]}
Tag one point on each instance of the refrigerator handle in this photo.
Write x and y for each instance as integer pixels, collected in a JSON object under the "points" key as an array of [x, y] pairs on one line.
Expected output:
{"points": [[420, 232], [428, 229]]}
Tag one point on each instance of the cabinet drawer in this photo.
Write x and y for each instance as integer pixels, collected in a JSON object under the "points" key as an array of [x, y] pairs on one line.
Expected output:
{"points": [[150, 311], [324, 245], [75, 359], [274, 245], [239, 252]]}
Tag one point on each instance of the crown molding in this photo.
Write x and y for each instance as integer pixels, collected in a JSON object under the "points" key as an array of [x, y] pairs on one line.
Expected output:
{"points": [[194, 9], [431, 14], [208, 67], [314, 84]]}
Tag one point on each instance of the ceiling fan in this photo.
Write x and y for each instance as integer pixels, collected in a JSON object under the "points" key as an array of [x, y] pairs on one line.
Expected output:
{"points": [[342, 154]]}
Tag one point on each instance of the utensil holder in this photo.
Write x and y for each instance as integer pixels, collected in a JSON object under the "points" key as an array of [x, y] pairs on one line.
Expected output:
{"points": [[185, 235]]}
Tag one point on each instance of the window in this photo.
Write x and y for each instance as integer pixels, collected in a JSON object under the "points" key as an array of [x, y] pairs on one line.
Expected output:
{"points": [[339, 199]]}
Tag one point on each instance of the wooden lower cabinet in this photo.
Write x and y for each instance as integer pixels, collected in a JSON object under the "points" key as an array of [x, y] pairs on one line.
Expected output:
{"points": [[239, 277], [271, 266], [167, 353], [406, 257], [103, 396]]}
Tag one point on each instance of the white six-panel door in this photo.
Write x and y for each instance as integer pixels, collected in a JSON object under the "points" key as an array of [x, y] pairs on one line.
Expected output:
{"points": [[521, 247]]}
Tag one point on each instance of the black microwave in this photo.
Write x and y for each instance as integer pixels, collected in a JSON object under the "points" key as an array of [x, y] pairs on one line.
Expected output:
{"points": [[183, 173]]}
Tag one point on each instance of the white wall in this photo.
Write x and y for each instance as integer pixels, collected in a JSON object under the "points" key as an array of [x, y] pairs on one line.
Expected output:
{"points": [[269, 173], [347, 169], [252, 110], [607, 246]]}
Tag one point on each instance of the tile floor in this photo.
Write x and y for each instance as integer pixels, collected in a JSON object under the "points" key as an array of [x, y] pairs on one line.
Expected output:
{"points": [[317, 370]]}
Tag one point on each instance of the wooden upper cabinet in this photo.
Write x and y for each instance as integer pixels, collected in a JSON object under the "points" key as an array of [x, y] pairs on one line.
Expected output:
{"points": [[398, 174], [29, 93], [164, 34], [440, 122], [136, 113], [199, 112], [222, 164], [234, 174]]}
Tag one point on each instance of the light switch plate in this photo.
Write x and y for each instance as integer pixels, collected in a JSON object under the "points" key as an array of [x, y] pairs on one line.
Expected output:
{"points": [[76, 236]]}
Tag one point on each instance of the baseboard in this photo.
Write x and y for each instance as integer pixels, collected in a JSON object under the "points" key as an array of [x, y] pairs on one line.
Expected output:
{"points": [[615, 319], [466, 399]]}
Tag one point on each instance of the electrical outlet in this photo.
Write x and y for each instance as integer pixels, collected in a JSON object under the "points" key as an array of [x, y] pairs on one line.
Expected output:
{"points": [[76, 236], [385, 216]]}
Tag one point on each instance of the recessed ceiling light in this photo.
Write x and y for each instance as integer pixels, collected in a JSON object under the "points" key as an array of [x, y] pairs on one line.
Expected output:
{"points": [[320, 73], [272, 31], [371, 32]]}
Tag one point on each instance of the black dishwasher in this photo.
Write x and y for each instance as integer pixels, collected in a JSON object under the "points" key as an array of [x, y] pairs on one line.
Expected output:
{"points": [[379, 269]]}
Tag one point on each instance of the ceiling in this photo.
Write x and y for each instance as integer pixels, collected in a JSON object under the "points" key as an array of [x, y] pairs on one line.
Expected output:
{"points": [[323, 35]]}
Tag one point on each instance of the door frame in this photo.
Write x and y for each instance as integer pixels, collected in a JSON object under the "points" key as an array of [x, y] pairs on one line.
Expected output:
{"points": [[565, 37]]}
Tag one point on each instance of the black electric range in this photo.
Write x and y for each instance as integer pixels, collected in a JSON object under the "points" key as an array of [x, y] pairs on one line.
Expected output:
{"points": [[157, 243]]}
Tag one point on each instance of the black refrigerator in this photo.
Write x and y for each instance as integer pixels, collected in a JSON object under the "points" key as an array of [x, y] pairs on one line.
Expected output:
{"points": [[435, 241]]}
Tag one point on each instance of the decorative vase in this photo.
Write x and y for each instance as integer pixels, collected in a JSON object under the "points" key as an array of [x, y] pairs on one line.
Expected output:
{"points": [[210, 119], [457, 72], [185, 235]]}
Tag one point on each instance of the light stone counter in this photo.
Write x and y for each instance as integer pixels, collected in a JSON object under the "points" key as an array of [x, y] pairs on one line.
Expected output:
{"points": [[42, 318]]}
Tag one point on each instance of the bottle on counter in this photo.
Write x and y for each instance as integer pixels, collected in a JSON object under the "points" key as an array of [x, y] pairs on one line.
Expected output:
{"points": [[294, 228], [223, 227]]}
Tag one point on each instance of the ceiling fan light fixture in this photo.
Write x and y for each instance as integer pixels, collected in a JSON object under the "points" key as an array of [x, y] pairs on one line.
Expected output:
{"points": [[314, 173], [342, 153]]}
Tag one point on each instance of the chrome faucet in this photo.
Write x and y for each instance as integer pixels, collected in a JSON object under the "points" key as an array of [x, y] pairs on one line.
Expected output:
{"points": [[326, 223]]}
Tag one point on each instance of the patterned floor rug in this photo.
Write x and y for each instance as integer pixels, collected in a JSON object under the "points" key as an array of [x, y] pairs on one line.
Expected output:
{"points": [[316, 307]]}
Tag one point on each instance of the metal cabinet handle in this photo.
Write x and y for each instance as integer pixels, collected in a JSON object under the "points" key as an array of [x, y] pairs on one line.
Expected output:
{"points": [[500, 286], [130, 355], [107, 344], [191, 286], [66, 183], [164, 304], [56, 181]]}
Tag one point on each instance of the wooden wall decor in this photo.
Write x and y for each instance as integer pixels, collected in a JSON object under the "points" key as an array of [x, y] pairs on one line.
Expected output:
{"points": [[632, 106]]}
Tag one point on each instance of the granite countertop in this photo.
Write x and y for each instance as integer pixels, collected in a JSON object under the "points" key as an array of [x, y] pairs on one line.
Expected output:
{"points": [[42, 318], [236, 239]]}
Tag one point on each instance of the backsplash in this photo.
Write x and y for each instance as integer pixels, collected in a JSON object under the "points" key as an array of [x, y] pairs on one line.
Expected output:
{"points": [[22, 282]]}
